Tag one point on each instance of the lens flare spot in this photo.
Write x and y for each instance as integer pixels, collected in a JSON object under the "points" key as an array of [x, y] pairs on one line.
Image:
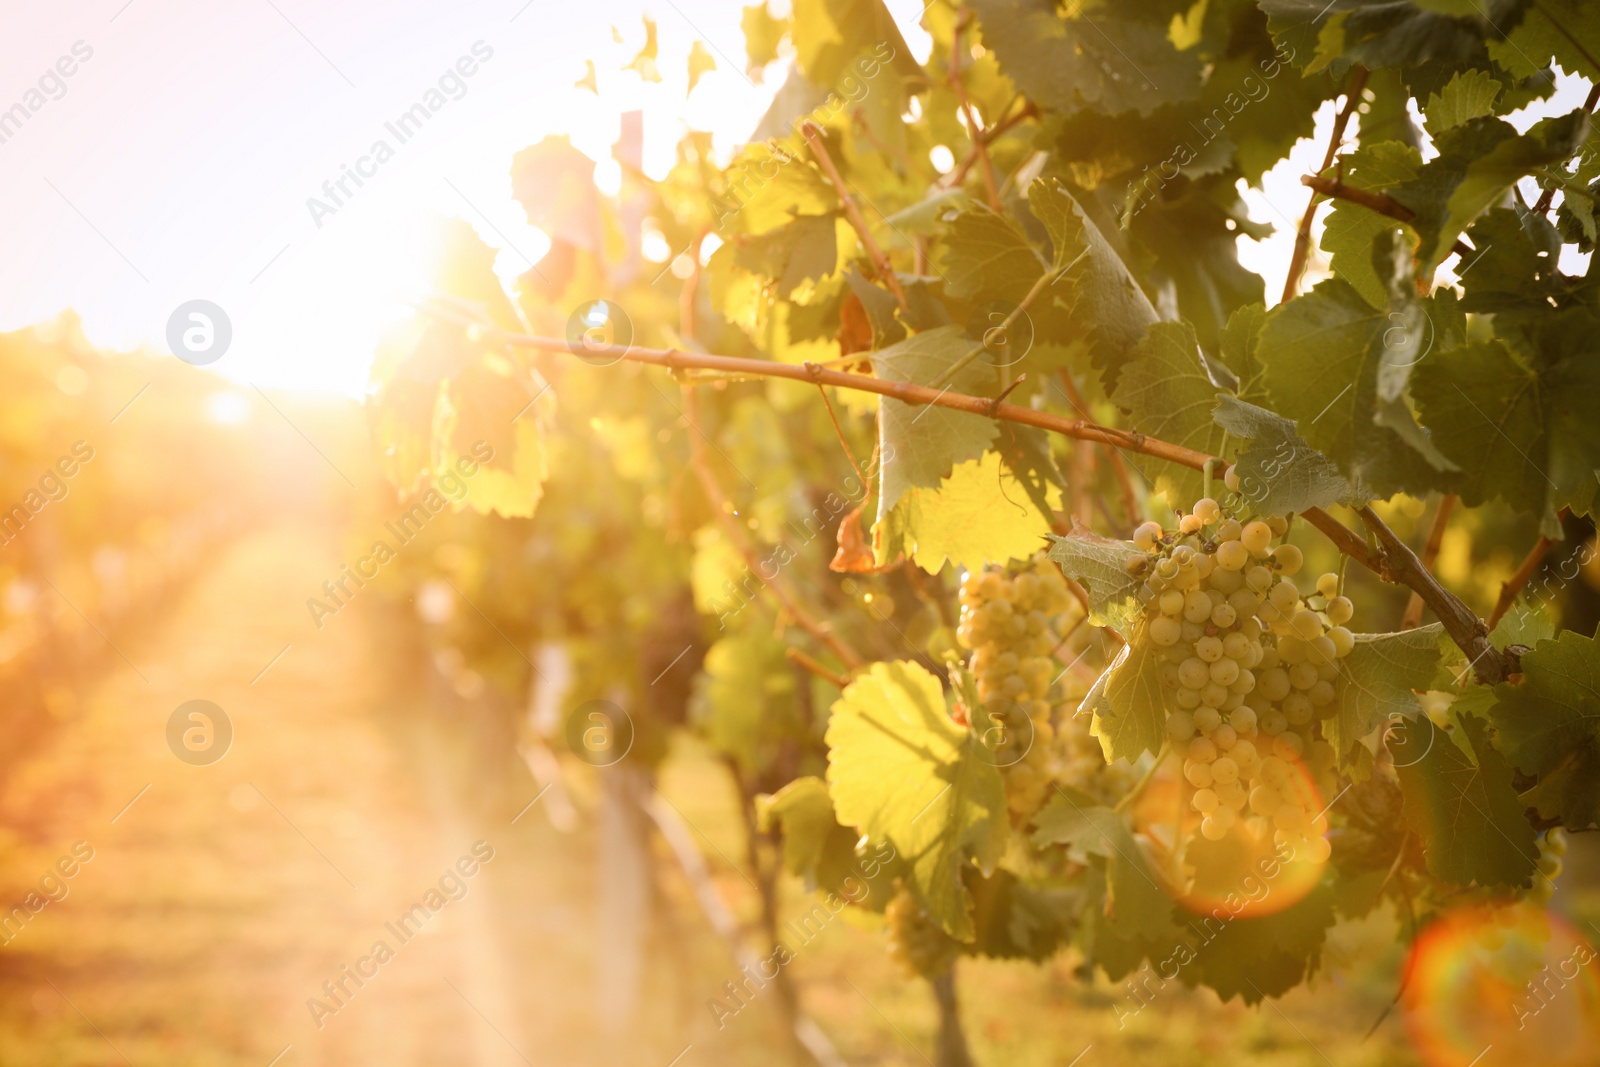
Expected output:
{"points": [[1263, 864], [1510, 978]]}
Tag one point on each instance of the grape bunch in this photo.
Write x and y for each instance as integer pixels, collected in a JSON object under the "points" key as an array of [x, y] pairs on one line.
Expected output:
{"points": [[1012, 624], [1251, 665], [1078, 759], [1552, 849], [916, 942]]}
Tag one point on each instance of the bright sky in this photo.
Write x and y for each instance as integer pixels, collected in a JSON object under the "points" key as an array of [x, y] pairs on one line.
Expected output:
{"points": [[175, 163], [178, 161]]}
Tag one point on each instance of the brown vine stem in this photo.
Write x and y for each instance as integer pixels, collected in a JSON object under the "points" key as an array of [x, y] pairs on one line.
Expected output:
{"points": [[813, 136], [1524, 573], [1302, 237], [989, 137], [839, 430], [1382, 203], [991, 187], [1394, 562], [1119, 466], [899, 153], [816, 668], [1430, 555], [719, 504], [1397, 563]]}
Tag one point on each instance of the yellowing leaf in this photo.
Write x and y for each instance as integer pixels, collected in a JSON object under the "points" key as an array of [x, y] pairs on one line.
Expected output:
{"points": [[588, 81], [700, 62], [645, 62], [902, 771], [716, 572], [979, 514], [490, 433], [762, 33]]}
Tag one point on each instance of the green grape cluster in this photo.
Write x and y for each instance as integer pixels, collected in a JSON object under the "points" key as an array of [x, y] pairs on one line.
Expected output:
{"points": [[916, 942], [1078, 759], [1012, 624], [1552, 850], [1251, 664]]}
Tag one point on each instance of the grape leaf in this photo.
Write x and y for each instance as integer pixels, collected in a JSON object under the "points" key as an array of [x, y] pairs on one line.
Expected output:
{"points": [[1279, 473], [1477, 162], [829, 35], [1135, 901], [1129, 702], [1165, 390], [1518, 431], [1470, 94], [1566, 30], [1238, 344], [1351, 228], [1254, 957], [645, 62], [921, 444], [492, 404], [1096, 58], [747, 701], [554, 183], [1383, 33], [1014, 920], [1107, 303], [1101, 566], [765, 187], [985, 256], [979, 514], [1471, 823], [1516, 276], [700, 63], [1324, 352], [901, 770], [805, 813], [792, 254], [1549, 727], [1376, 683], [762, 34]]}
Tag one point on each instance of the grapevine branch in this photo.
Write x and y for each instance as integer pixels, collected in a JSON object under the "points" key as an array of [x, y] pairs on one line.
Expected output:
{"points": [[1119, 466], [815, 666], [1430, 555], [987, 138], [1382, 203], [880, 260], [1515, 584], [1391, 559], [1302, 237], [1398, 563], [719, 504], [973, 130]]}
